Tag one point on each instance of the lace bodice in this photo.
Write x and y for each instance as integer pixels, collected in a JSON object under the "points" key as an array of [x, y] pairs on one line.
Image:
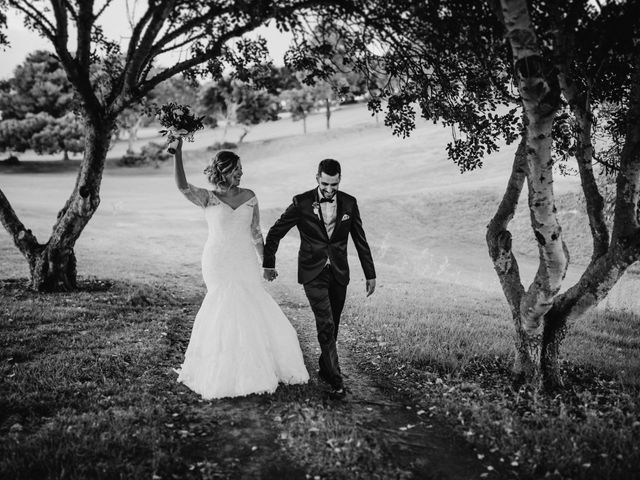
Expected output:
{"points": [[234, 239], [206, 198]]}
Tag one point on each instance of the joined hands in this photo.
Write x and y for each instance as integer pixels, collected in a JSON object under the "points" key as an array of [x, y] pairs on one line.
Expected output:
{"points": [[270, 274]]}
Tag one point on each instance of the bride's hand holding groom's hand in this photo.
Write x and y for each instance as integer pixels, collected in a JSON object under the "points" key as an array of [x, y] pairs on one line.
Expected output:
{"points": [[270, 274]]}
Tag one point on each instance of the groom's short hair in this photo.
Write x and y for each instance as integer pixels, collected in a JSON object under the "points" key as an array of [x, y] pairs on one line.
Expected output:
{"points": [[329, 166]]}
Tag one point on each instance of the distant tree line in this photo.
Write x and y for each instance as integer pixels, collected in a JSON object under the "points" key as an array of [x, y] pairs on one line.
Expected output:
{"points": [[38, 109]]}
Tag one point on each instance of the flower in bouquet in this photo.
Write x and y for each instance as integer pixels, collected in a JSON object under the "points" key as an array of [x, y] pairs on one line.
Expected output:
{"points": [[178, 122]]}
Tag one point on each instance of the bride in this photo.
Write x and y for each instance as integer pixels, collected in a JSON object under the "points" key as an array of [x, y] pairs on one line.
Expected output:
{"points": [[241, 342]]}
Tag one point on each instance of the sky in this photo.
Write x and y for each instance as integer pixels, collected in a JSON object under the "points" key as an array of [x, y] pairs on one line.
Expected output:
{"points": [[115, 24]]}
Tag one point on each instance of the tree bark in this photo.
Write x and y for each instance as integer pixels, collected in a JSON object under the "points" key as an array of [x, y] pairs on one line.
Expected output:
{"points": [[504, 261], [245, 132], [327, 105], [580, 105], [540, 94]]}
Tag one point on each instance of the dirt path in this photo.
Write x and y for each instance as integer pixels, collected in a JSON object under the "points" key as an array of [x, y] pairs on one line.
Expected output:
{"points": [[300, 432], [421, 446]]}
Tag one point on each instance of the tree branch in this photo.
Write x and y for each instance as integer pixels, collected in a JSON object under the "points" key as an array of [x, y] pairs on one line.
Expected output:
{"points": [[71, 10], [62, 23], [136, 32], [498, 236], [135, 63], [580, 107], [603, 162], [626, 224], [78, 73], [43, 23], [584, 156], [104, 7], [213, 52], [176, 46], [594, 284], [186, 28], [147, 86], [84, 24], [22, 237]]}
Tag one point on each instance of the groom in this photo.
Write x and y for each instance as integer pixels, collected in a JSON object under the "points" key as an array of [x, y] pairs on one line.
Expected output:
{"points": [[324, 217]]}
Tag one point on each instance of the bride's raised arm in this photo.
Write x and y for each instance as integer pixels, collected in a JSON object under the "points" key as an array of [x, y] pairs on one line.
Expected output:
{"points": [[197, 196]]}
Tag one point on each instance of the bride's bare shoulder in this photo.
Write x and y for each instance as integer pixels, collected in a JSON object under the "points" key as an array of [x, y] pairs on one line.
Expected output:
{"points": [[247, 193]]}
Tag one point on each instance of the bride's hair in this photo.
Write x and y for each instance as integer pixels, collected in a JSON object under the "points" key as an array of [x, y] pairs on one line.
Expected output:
{"points": [[220, 165]]}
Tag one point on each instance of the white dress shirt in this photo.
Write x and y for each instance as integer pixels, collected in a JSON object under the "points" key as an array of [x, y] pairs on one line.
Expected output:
{"points": [[329, 211]]}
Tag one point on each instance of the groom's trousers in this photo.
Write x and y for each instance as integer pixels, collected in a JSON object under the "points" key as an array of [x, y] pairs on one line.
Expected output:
{"points": [[326, 297]]}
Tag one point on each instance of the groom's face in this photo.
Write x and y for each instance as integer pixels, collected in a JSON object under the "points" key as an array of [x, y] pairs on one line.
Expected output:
{"points": [[328, 184]]}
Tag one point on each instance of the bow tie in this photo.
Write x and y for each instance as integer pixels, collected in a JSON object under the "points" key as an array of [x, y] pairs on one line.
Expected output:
{"points": [[323, 200]]}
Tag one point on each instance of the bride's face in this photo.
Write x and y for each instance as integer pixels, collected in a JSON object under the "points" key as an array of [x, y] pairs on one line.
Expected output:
{"points": [[233, 178]]}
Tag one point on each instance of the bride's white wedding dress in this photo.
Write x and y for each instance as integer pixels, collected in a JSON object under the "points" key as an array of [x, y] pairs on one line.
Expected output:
{"points": [[241, 342]]}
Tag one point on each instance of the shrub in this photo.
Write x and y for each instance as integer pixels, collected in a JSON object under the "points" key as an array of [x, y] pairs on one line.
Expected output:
{"points": [[11, 160], [223, 146], [151, 154]]}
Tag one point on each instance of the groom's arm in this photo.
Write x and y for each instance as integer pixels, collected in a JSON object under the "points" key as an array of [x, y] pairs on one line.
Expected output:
{"points": [[286, 222], [360, 242]]}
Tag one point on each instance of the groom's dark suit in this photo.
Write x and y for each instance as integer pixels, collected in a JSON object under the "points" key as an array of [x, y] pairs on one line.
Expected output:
{"points": [[323, 268]]}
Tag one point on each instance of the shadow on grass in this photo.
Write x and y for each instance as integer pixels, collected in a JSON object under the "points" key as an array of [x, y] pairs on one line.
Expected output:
{"points": [[452, 353], [88, 390]]}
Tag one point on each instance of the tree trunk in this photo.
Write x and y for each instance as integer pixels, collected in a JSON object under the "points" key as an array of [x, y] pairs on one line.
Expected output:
{"points": [[577, 95], [540, 94], [504, 261], [605, 269], [52, 266], [327, 105], [54, 270], [65, 155], [245, 132], [304, 123], [133, 134]]}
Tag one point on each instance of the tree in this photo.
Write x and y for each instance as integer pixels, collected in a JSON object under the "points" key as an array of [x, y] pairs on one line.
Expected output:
{"points": [[63, 134], [300, 102], [124, 78], [177, 89], [39, 84], [570, 62], [255, 107], [324, 93], [238, 103], [334, 78], [36, 105]]}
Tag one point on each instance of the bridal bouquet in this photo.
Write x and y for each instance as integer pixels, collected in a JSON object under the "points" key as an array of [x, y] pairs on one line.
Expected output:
{"points": [[178, 122]]}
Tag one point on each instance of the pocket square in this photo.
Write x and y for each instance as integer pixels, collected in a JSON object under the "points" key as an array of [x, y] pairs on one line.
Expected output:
{"points": [[345, 217]]}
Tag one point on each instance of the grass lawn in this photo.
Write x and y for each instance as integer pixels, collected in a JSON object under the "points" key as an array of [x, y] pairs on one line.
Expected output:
{"points": [[88, 389]]}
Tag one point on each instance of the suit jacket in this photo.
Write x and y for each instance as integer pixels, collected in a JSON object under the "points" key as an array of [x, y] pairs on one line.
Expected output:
{"points": [[315, 245]]}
